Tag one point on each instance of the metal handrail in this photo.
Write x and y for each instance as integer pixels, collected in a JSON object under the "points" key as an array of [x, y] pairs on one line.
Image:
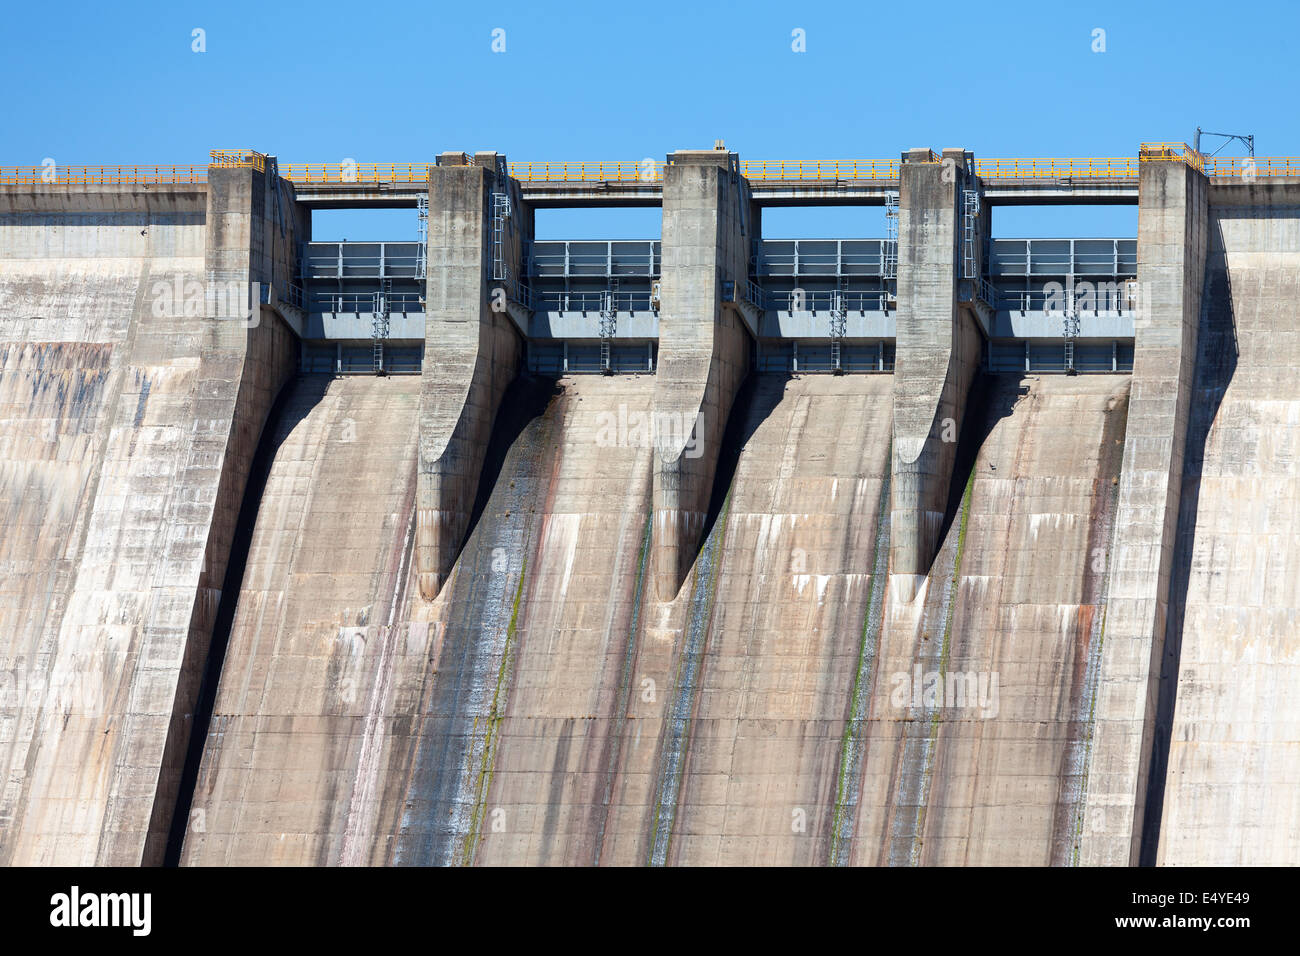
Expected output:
{"points": [[233, 158], [1124, 167], [621, 171], [348, 173], [1051, 168], [837, 169], [100, 175]]}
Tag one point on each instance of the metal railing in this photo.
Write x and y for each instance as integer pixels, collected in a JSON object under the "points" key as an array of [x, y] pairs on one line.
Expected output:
{"points": [[1170, 152], [815, 169], [650, 171], [365, 302], [100, 175], [560, 301], [1038, 300], [233, 158], [340, 174], [647, 171], [826, 300], [1080, 168], [1246, 167]]}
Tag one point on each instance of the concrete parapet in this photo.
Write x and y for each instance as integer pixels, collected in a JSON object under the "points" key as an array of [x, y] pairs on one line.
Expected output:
{"points": [[1171, 266], [938, 349], [704, 350], [472, 350]]}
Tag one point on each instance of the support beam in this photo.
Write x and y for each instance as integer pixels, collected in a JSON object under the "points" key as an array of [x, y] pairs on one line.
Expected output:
{"points": [[1172, 213], [472, 351], [704, 349], [938, 353]]}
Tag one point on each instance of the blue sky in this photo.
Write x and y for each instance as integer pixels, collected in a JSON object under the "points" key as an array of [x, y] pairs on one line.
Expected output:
{"points": [[93, 83]]}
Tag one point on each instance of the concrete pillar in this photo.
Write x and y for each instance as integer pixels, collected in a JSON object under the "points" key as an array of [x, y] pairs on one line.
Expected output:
{"points": [[938, 350], [1172, 210], [472, 351], [253, 228], [704, 347]]}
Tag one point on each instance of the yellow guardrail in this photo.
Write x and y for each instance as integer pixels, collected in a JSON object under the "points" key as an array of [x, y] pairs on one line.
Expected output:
{"points": [[798, 169], [1245, 167], [342, 173], [650, 171], [100, 175], [1170, 152], [646, 171], [1121, 167], [229, 158]]}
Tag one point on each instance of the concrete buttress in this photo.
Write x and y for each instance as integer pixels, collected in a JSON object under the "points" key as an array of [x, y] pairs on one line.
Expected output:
{"points": [[938, 349], [1172, 211], [704, 348], [472, 350]]}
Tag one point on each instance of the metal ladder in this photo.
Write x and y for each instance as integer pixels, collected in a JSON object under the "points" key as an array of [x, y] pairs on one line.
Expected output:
{"points": [[839, 326], [889, 251], [422, 253], [500, 213], [608, 327], [970, 233], [1070, 329], [379, 327]]}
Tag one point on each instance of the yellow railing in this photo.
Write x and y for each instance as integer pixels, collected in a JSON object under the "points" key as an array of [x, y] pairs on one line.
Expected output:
{"points": [[228, 158], [646, 171], [1170, 152], [1245, 167], [1123, 167], [343, 173], [650, 171], [100, 175], [798, 169]]}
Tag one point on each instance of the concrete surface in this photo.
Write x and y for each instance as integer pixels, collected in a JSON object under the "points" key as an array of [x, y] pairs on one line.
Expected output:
{"points": [[126, 444], [1171, 258], [938, 352], [471, 354], [704, 348], [1231, 794]]}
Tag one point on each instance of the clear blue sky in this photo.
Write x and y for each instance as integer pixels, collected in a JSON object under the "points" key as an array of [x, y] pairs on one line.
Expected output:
{"points": [[91, 83]]}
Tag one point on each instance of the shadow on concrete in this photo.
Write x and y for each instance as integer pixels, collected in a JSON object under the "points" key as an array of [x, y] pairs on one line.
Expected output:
{"points": [[756, 399], [991, 398], [1216, 364], [525, 399], [294, 403]]}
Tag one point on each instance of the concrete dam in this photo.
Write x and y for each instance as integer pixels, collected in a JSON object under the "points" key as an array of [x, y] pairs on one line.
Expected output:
{"points": [[719, 548]]}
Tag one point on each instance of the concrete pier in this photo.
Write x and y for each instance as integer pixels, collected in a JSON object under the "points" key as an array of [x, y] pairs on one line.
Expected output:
{"points": [[704, 348], [1171, 266], [472, 350], [938, 351]]}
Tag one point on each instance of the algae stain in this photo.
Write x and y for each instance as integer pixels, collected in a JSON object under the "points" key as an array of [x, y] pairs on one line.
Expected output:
{"points": [[492, 726], [944, 650], [686, 680], [847, 780]]}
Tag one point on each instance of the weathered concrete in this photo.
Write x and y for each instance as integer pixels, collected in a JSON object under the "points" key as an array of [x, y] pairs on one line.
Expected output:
{"points": [[132, 412], [938, 351], [1171, 260], [292, 764], [772, 644], [704, 349], [977, 723], [1231, 792], [472, 352]]}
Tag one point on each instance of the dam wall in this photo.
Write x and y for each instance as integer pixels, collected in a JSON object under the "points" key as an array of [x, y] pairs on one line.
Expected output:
{"points": [[924, 611], [131, 407]]}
